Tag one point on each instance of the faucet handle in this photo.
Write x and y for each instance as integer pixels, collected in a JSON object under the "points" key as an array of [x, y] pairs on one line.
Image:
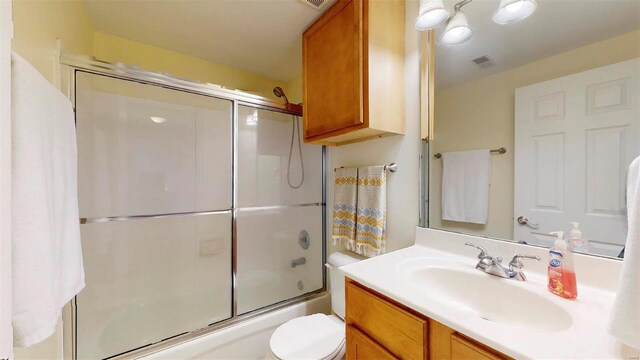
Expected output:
{"points": [[515, 262], [483, 252]]}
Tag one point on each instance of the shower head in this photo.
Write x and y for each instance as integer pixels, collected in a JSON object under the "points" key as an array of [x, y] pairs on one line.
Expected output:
{"points": [[277, 91]]}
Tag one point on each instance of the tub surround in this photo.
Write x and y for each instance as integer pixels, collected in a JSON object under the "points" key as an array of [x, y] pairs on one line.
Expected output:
{"points": [[248, 339], [583, 335]]}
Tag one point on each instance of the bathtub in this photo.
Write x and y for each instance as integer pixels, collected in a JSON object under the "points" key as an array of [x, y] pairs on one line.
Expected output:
{"points": [[245, 340]]}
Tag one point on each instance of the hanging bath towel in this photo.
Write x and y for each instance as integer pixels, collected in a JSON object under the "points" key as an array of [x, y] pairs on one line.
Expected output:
{"points": [[371, 213], [465, 186], [344, 207], [47, 259], [624, 322]]}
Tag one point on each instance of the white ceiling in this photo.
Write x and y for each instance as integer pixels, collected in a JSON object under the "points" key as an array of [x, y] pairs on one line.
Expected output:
{"points": [[556, 26], [260, 36]]}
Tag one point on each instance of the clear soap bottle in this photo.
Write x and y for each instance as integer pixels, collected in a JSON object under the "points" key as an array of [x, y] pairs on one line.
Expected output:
{"points": [[576, 241]]}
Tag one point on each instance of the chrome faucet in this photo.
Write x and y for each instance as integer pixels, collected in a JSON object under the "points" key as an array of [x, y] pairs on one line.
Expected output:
{"points": [[515, 267], [493, 266]]}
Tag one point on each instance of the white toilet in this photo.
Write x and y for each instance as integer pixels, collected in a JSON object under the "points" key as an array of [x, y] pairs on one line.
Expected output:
{"points": [[317, 336]]}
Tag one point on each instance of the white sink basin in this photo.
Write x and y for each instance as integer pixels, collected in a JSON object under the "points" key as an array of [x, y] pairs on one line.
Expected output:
{"points": [[489, 297]]}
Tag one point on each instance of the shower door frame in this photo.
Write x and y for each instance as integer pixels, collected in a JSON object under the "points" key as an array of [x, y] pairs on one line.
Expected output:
{"points": [[237, 98]]}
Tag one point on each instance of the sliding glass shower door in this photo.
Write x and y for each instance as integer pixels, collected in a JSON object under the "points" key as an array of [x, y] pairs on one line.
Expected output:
{"points": [[155, 188], [194, 210], [279, 216]]}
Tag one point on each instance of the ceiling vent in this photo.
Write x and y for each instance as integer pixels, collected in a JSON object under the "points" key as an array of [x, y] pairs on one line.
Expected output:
{"points": [[483, 62], [316, 4]]}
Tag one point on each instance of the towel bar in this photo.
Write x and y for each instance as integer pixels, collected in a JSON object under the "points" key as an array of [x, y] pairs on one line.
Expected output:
{"points": [[494, 151], [393, 167]]}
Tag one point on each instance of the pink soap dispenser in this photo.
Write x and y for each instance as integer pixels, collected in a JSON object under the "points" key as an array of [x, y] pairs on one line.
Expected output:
{"points": [[560, 273]]}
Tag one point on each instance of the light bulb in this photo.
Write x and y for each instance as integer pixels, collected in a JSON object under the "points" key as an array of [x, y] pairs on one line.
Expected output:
{"points": [[511, 11], [514, 7], [432, 13], [457, 30]]}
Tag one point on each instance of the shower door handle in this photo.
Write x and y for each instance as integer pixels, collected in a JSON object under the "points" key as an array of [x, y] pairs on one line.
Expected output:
{"points": [[299, 261]]}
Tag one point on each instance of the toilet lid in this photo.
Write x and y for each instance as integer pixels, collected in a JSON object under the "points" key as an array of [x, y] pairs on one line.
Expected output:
{"points": [[307, 337]]}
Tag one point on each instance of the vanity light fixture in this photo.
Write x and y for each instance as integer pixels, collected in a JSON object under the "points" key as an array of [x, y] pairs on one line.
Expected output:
{"points": [[457, 30], [158, 119], [511, 11], [432, 14]]}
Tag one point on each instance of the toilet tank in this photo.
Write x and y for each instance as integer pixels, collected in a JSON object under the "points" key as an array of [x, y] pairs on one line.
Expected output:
{"points": [[336, 278]]}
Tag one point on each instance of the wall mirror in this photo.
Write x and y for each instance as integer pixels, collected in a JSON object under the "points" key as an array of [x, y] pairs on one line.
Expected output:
{"points": [[533, 123]]}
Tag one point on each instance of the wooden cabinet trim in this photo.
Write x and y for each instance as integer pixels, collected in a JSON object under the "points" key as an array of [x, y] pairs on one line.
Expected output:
{"points": [[326, 17], [439, 340], [363, 53], [384, 65], [328, 135]]}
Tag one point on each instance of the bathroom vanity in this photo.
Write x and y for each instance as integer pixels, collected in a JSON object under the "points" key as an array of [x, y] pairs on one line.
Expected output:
{"points": [[380, 328], [430, 301]]}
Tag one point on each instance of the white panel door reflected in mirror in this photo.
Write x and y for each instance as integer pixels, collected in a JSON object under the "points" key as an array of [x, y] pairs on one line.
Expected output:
{"points": [[575, 136]]}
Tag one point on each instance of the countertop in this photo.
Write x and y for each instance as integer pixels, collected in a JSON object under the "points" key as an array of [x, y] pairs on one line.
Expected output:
{"points": [[585, 337]]}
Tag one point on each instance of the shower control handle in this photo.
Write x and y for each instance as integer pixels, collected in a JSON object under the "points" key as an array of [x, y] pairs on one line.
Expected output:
{"points": [[299, 261]]}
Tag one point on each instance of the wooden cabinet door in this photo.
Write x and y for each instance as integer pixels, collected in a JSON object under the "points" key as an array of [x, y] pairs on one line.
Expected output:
{"points": [[361, 347], [464, 349], [403, 333], [332, 68]]}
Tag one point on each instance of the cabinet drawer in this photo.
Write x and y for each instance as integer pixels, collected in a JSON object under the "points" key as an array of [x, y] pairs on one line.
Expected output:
{"points": [[401, 332], [361, 347], [465, 349]]}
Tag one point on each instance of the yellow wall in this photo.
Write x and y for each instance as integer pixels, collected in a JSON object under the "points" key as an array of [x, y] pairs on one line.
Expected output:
{"points": [[116, 49], [38, 23], [480, 114], [294, 89]]}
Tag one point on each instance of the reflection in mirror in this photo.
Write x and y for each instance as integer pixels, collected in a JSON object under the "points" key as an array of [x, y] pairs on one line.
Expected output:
{"points": [[560, 91]]}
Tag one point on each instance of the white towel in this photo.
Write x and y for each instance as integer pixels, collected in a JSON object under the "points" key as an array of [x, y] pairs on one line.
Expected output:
{"points": [[625, 314], [371, 211], [465, 186], [47, 260], [344, 207]]}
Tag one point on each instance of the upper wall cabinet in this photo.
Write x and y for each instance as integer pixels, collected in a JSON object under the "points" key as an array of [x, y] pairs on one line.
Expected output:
{"points": [[353, 68]]}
